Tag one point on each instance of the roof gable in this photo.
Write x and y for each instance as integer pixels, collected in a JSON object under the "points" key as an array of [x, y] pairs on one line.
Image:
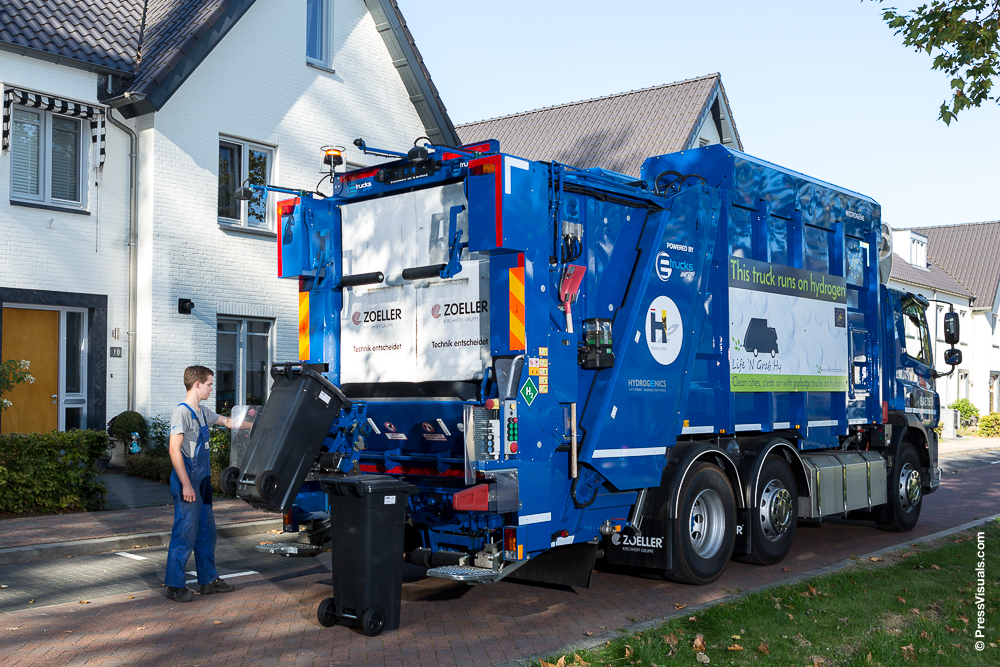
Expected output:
{"points": [[933, 277], [971, 253], [617, 132]]}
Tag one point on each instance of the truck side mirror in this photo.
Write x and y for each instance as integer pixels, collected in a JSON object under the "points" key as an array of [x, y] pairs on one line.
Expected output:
{"points": [[951, 329], [953, 357]]}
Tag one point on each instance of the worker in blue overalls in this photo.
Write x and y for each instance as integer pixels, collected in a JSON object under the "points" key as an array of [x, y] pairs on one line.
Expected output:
{"points": [[191, 486]]}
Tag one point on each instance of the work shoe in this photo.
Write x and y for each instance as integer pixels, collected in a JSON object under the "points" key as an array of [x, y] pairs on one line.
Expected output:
{"points": [[217, 586], [179, 594]]}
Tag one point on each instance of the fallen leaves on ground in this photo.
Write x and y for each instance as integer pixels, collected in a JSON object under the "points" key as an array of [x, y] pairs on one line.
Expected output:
{"points": [[875, 559], [578, 661], [901, 599], [702, 658], [764, 649], [735, 647], [909, 652], [935, 567], [131, 597], [679, 605], [216, 622], [924, 635], [693, 619], [786, 569], [699, 643], [964, 619], [791, 618], [628, 651], [589, 633], [671, 639], [84, 601], [264, 544], [141, 627]]}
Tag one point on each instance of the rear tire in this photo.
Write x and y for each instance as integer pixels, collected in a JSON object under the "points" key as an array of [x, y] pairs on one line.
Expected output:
{"points": [[705, 528], [773, 515], [905, 492]]}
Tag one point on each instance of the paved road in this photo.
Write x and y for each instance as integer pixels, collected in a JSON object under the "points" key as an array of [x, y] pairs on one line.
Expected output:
{"points": [[270, 619]]}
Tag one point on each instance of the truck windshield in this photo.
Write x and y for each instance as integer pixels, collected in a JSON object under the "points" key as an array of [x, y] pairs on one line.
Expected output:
{"points": [[915, 330]]}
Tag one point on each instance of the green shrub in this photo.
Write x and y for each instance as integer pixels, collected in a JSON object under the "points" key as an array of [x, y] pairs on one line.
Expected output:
{"points": [[127, 423], [989, 425], [50, 472], [149, 466], [159, 432], [966, 409], [12, 373]]}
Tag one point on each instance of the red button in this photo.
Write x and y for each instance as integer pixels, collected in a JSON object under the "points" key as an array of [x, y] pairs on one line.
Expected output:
{"points": [[513, 448]]}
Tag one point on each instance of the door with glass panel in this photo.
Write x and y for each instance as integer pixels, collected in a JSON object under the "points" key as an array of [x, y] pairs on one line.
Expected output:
{"points": [[54, 341], [243, 356]]}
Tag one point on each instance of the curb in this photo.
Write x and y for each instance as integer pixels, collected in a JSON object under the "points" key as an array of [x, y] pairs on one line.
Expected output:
{"points": [[592, 642], [983, 450], [33, 552]]}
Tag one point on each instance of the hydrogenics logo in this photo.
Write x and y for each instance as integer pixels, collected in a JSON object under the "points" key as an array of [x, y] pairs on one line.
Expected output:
{"points": [[356, 318], [436, 311]]}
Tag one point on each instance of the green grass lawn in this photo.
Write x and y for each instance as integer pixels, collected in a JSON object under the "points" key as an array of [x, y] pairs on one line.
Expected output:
{"points": [[916, 606]]}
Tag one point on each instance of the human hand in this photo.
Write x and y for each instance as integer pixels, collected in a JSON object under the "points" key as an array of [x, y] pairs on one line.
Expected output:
{"points": [[187, 492]]}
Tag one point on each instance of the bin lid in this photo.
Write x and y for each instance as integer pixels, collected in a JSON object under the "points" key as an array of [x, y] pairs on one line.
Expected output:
{"points": [[368, 485]]}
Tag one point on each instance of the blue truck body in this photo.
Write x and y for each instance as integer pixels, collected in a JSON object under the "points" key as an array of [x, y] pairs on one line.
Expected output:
{"points": [[752, 348]]}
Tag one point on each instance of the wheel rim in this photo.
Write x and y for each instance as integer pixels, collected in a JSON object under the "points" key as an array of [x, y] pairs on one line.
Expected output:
{"points": [[775, 510], [707, 523], [909, 487]]}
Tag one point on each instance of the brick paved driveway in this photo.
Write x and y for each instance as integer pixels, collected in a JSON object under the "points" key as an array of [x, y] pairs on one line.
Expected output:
{"points": [[270, 619]]}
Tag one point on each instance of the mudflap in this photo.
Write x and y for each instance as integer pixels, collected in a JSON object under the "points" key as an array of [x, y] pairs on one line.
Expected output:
{"points": [[651, 548], [741, 545], [569, 565]]}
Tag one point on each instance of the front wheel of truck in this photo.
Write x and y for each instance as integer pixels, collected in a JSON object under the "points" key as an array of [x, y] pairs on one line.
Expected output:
{"points": [[773, 516], [705, 528], [905, 492]]}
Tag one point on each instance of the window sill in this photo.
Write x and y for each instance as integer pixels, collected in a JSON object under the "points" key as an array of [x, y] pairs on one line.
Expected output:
{"points": [[49, 207], [318, 66], [249, 231]]}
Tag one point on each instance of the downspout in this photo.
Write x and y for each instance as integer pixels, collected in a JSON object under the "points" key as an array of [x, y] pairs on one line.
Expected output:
{"points": [[133, 250]]}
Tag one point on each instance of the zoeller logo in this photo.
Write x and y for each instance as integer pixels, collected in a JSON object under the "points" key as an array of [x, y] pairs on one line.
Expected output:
{"points": [[467, 308], [665, 266], [356, 318], [618, 539]]}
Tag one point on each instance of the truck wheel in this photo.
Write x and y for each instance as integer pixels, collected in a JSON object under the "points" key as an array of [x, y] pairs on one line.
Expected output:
{"points": [[326, 614], [904, 491], [228, 479], [266, 483], [706, 527], [373, 621], [773, 516], [755, 352]]}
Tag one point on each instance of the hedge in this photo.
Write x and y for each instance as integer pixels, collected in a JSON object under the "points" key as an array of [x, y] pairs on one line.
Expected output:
{"points": [[989, 426], [51, 472]]}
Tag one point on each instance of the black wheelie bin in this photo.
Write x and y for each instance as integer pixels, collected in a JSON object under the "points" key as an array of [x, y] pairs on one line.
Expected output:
{"points": [[286, 438], [367, 515]]}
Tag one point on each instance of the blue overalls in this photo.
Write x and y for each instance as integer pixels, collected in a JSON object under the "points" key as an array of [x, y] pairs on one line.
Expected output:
{"points": [[194, 523]]}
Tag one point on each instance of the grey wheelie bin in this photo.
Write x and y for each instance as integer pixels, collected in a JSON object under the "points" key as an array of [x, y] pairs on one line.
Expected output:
{"points": [[367, 514], [286, 438]]}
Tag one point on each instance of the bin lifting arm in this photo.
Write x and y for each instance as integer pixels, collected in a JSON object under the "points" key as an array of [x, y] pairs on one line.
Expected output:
{"points": [[454, 265], [348, 435]]}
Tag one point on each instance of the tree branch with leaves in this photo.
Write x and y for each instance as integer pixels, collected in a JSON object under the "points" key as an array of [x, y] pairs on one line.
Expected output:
{"points": [[12, 373], [963, 36]]}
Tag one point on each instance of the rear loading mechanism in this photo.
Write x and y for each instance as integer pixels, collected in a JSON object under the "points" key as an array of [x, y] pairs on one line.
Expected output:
{"points": [[571, 364]]}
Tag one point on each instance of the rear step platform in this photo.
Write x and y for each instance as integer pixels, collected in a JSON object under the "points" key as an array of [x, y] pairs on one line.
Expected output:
{"points": [[472, 575]]}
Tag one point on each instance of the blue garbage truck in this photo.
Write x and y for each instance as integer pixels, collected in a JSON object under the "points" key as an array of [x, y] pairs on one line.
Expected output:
{"points": [[572, 364]]}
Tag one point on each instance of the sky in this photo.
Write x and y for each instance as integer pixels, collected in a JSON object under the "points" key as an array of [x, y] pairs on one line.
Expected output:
{"points": [[821, 87]]}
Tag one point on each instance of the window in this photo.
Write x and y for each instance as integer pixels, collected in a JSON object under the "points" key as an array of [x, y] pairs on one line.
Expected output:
{"points": [[915, 330], [243, 357], [47, 157], [319, 25], [238, 162]]}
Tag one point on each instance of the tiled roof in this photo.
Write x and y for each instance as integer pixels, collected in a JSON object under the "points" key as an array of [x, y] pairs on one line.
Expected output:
{"points": [[617, 132], [971, 253], [97, 32], [933, 277]]}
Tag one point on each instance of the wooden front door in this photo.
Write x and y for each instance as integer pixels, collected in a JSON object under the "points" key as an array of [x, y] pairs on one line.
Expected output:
{"points": [[32, 335]]}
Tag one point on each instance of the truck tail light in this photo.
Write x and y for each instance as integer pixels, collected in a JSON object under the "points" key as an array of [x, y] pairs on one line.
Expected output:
{"points": [[482, 168], [885, 412], [510, 545], [475, 499]]}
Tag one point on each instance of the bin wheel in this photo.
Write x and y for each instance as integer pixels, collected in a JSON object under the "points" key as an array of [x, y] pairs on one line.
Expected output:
{"points": [[228, 479], [372, 621], [326, 614], [267, 483]]}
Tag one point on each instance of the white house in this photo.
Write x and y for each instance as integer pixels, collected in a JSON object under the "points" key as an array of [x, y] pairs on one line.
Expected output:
{"points": [[125, 135], [957, 267]]}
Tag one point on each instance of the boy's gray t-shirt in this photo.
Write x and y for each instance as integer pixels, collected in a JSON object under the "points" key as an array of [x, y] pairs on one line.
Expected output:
{"points": [[182, 421]]}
